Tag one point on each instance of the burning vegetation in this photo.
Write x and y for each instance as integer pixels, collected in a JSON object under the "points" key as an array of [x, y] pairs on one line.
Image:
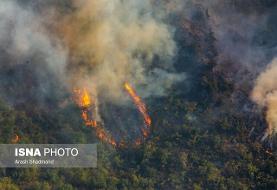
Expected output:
{"points": [[88, 108], [206, 69]]}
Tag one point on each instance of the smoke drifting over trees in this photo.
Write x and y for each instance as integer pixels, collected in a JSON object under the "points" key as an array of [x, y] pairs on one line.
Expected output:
{"points": [[246, 43], [200, 93], [265, 95], [97, 44], [31, 59], [101, 44], [118, 41]]}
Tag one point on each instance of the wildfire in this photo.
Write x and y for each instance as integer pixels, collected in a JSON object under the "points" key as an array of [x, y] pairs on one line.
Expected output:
{"points": [[139, 103], [86, 103], [82, 97]]}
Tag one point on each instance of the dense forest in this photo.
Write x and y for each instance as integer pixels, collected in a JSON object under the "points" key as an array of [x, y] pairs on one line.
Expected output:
{"points": [[206, 133], [218, 153]]}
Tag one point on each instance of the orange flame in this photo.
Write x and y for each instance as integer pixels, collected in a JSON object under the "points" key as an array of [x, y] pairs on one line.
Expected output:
{"points": [[86, 99], [83, 100], [82, 97], [140, 105]]}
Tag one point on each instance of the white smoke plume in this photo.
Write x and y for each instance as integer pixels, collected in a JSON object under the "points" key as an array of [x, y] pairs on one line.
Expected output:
{"points": [[237, 36], [244, 34], [97, 44], [265, 95], [28, 36], [25, 42], [113, 41]]}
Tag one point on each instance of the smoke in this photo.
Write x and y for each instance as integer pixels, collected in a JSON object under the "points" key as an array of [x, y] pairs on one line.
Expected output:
{"points": [[244, 37], [101, 44], [113, 41], [96, 44], [246, 42], [30, 58], [243, 32], [265, 95], [50, 49]]}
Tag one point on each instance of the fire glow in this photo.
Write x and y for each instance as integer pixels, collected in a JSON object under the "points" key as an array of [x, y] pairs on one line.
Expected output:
{"points": [[141, 107], [85, 102], [16, 139]]}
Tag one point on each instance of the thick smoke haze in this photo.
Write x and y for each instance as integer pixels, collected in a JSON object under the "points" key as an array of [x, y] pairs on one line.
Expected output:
{"points": [[49, 52], [23, 35], [30, 58], [111, 42], [244, 37], [102, 44], [94, 44], [245, 41], [265, 95]]}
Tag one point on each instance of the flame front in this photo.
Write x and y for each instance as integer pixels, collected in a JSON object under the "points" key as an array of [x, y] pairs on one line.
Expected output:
{"points": [[140, 105], [85, 102]]}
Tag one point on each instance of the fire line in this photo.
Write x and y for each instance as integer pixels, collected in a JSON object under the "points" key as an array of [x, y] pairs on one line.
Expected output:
{"points": [[85, 102]]}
